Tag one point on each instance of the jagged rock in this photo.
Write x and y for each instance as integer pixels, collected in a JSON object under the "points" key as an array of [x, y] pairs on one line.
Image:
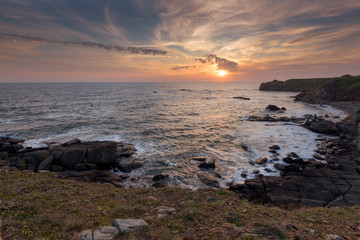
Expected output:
{"points": [[46, 163], [137, 163], [261, 161], [125, 164], [125, 150], [324, 126], [71, 156], [159, 177], [208, 180], [207, 164], [128, 225]]}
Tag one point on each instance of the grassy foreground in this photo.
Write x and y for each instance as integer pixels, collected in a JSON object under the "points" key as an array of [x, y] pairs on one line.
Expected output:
{"points": [[41, 205]]}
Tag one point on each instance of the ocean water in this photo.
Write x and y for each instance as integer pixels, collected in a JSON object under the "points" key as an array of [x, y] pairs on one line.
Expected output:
{"points": [[167, 122]]}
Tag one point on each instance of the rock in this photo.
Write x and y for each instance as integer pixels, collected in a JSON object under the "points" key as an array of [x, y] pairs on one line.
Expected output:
{"points": [[4, 163], [243, 98], [273, 108], [283, 108], [125, 150], [86, 235], [57, 168], [3, 155], [159, 177], [358, 169], [268, 170], [244, 174], [57, 155], [318, 157], [164, 211], [106, 233], [31, 167], [10, 149], [207, 165], [137, 163], [125, 164], [80, 167], [252, 162], [39, 155], [21, 164], [293, 155], [31, 160], [46, 163], [261, 161], [298, 160], [279, 166], [333, 237], [272, 151], [101, 152], [287, 159], [208, 180], [159, 184], [290, 227], [128, 225], [233, 217], [91, 166], [71, 156], [324, 126], [255, 171], [347, 128], [228, 231], [275, 147], [201, 159], [71, 142]]}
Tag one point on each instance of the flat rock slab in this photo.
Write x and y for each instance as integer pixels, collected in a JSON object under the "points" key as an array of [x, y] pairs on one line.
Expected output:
{"points": [[128, 225]]}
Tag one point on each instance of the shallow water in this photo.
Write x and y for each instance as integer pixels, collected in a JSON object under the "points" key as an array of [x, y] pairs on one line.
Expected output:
{"points": [[167, 122]]}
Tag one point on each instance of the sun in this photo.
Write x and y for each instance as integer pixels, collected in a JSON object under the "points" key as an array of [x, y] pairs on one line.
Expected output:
{"points": [[222, 73]]}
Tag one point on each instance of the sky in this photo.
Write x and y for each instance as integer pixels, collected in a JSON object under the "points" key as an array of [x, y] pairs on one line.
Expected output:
{"points": [[177, 40]]}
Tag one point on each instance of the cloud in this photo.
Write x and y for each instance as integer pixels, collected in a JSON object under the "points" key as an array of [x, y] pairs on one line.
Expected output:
{"points": [[221, 63], [132, 50], [182, 67]]}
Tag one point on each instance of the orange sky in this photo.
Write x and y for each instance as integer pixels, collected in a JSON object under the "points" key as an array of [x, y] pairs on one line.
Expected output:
{"points": [[245, 40]]}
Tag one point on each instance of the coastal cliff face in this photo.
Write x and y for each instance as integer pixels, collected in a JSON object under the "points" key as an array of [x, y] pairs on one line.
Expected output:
{"points": [[293, 85]]}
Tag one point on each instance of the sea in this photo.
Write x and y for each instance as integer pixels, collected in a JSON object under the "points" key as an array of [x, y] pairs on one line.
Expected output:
{"points": [[167, 122]]}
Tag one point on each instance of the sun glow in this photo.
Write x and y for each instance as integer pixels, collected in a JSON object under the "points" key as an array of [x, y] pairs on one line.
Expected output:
{"points": [[222, 73]]}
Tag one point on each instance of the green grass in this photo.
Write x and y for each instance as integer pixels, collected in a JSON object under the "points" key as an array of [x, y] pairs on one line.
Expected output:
{"points": [[43, 206]]}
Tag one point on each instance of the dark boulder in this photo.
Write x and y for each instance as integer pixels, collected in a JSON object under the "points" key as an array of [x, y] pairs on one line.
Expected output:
{"points": [[324, 126], [38, 155], [80, 167], [3, 155], [261, 161], [71, 156], [271, 107], [159, 177], [275, 147], [10, 149], [208, 180], [46, 163], [207, 164], [347, 128], [101, 152]]}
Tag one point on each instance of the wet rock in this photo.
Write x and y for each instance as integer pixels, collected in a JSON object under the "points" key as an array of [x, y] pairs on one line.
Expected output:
{"points": [[243, 98], [268, 170], [256, 171], [137, 163], [128, 225], [272, 151], [261, 161], [46, 163], [101, 152], [318, 157], [72, 142], [3, 155], [271, 107], [208, 180], [201, 159], [293, 155], [252, 162], [244, 174], [287, 159], [275, 147], [324, 126], [125, 164], [159, 177], [125, 150], [72, 156], [207, 164], [279, 166]]}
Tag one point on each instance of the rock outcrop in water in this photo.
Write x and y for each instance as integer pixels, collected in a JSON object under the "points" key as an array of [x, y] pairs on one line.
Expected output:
{"points": [[86, 161]]}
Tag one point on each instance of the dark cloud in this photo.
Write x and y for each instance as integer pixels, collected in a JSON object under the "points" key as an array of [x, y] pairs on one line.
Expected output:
{"points": [[132, 50], [182, 67], [221, 63]]}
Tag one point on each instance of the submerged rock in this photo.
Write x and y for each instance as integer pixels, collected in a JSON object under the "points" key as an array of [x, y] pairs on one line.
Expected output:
{"points": [[271, 107], [261, 161]]}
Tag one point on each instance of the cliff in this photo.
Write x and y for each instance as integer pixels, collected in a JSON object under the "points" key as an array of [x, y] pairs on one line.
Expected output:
{"points": [[293, 85]]}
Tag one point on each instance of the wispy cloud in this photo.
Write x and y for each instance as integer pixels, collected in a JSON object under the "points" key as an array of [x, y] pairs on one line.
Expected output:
{"points": [[221, 63]]}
